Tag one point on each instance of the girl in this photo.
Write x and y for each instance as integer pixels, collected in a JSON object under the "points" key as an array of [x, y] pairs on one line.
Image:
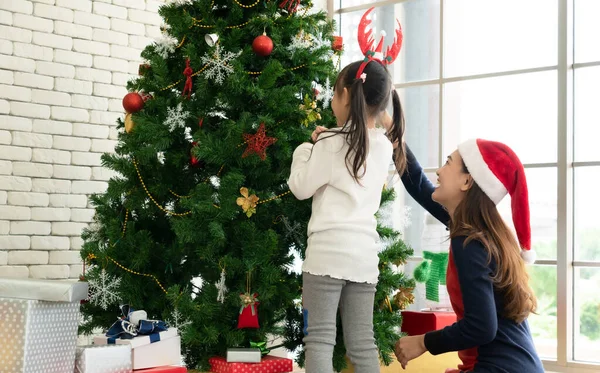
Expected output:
{"points": [[486, 279], [345, 171]]}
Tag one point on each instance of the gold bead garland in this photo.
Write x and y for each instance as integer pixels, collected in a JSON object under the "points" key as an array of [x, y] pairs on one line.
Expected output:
{"points": [[273, 198], [247, 6], [152, 198], [93, 256]]}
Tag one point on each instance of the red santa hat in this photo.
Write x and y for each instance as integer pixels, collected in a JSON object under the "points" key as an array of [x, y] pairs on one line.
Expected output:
{"points": [[498, 172]]}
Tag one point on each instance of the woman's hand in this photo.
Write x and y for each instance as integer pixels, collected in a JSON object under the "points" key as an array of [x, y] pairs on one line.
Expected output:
{"points": [[317, 132], [408, 348]]}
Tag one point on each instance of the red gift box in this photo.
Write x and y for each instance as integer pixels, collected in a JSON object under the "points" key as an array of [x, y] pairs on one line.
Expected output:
{"points": [[165, 369], [269, 364], [417, 323]]}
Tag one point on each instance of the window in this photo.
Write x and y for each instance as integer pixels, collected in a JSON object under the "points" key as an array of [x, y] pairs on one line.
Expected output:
{"points": [[527, 73]]}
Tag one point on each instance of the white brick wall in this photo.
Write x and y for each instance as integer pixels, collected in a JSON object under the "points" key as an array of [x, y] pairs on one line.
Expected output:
{"points": [[64, 65]]}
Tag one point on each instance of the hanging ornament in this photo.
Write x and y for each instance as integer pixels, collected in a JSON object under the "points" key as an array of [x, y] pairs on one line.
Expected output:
{"points": [[262, 45], [176, 117], [211, 39], [323, 92], [338, 44], [143, 69], [218, 64], [160, 156], [129, 125], [187, 88], [404, 298], [104, 290], [292, 5], [133, 102], [300, 41], [246, 202], [432, 271], [195, 162], [221, 287], [200, 122], [258, 143], [145, 96], [312, 111], [248, 318]]}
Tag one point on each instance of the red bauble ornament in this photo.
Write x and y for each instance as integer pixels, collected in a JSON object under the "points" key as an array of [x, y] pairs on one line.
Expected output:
{"points": [[133, 102], [262, 45], [338, 43]]}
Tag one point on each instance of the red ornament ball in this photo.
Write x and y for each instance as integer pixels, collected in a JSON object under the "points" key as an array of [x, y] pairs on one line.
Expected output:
{"points": [[262, 45], [133, 102]]}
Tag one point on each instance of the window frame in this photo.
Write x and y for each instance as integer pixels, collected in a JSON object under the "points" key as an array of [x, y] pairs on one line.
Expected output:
{"points": [[564, 165]]}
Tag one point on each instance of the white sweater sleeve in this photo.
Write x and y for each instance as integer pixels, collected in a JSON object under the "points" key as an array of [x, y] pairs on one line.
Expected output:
{"points": [[311, 169]]}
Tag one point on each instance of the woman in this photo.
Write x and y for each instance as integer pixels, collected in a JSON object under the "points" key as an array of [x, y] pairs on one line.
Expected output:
{"points": [[486, 279]]}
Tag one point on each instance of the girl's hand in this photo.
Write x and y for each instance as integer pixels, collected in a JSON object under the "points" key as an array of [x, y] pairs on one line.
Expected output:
{"points": [[408, 348], [317, 132]]}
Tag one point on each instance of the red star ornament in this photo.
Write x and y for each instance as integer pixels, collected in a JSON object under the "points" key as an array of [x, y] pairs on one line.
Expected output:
{"points": [[258, 143]]}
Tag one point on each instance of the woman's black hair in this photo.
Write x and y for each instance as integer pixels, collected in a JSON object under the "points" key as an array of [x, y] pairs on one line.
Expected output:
{"points": [[369, 98]]}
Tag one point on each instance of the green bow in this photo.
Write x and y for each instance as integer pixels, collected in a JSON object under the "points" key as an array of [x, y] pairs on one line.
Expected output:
{"points": [[432, 271], [262, 346]]}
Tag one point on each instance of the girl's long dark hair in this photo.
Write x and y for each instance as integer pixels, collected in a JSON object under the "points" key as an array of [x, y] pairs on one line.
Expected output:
{"points": [[369, 98]]}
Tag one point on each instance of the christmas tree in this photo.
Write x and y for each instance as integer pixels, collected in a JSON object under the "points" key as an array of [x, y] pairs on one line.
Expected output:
{"points": [[198, 227]]}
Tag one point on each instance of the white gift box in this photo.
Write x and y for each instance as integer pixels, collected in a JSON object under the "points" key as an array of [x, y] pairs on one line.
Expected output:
{"points": [[103, 359], [147, 354], [244, 355], [38, 325]]}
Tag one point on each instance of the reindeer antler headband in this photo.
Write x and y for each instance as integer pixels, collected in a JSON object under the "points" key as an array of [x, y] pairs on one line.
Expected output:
{"points": [[366, 41]]}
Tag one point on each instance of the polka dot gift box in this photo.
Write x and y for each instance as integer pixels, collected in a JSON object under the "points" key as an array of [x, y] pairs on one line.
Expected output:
{"points": [[38, 325], [269, 364]]}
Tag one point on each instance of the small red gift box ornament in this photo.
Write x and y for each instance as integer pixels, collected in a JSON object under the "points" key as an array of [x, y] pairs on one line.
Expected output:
{"points": [[338, 44], [248, 318]]}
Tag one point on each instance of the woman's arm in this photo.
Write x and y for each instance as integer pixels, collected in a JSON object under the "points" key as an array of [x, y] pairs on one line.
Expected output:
{"points": [[480, 322], [420, 188], [416, 182], [311, 169]]}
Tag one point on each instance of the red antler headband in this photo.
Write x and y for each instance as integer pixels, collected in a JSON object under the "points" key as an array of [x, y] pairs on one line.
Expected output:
{"points": [[366, 41]]}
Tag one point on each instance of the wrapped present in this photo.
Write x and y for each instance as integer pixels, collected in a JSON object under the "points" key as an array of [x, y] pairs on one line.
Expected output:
{"points": [[152, 343], [40, 319], [166, 369], [421, 322], [103, 359], [269, 364], [243, 355]]}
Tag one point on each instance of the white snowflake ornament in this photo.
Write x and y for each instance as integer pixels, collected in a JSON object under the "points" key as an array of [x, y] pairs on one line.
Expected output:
{"points": [[161, 157], [221, 287], [176, 117], [177, 320], [165, 45], [218, 64], [104, 290], [325, 93]]}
